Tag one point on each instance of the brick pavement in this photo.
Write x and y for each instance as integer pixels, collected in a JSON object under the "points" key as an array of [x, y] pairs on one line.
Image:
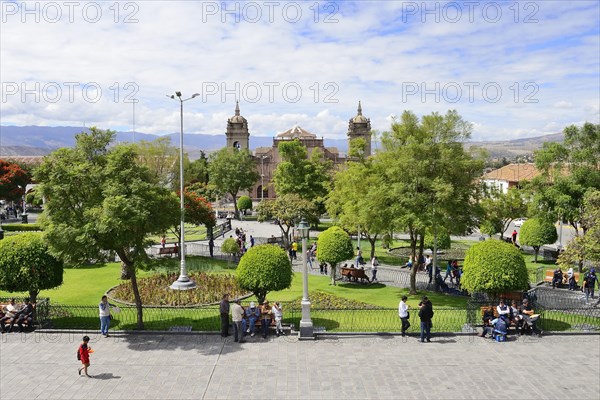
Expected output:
{"points": [[153, 366]]}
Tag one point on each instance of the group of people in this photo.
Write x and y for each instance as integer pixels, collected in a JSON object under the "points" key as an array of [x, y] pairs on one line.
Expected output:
{"points": [[590, 280], [564, 279], [240, 238], [244, 319], [497, 320], [425, 315], [16, 314]]}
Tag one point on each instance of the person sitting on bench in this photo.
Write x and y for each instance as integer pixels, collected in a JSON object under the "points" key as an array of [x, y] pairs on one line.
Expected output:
{"points": [[488, 316], [501, 327], [557, 278], [10, 313], [25, 314], [503, 309], [529, 318]]}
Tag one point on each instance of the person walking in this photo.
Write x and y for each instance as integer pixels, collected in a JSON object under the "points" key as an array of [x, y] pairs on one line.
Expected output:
{"points": [[163, 241], [590, 280], [359, 257], [571, 278], [211, 247], [374, 265], [237, 316], [105, 317], [425, 314], [83, 354], [514, 237], [404, 315], [224, 310]]}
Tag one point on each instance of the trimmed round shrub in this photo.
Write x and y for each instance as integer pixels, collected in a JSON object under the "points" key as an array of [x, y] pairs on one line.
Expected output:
{"points": [[21, 227], [263, 269], [537, 232], [494, 267], [443, 239], [230, 246], [333, 246], [27, 266], [244, 203]]}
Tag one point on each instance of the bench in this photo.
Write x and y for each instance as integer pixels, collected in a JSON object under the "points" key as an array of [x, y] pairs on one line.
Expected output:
{"points": [[171, 250], [354, 274], [550, 275], [27, 323]]}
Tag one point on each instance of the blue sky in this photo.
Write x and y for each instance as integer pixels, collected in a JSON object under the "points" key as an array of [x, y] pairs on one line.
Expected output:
{"points": [[514, 69]]}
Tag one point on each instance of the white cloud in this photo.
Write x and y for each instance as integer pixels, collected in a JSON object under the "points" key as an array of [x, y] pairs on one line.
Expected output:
{"points": [[547, 71]]}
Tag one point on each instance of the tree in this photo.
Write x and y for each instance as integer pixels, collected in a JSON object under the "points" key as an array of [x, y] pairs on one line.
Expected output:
{"points": [[442, 239], [160, 158], [298, 174], [494, 267], [569, 170], [537, 232], [231, 171], [587, 246], [230, 247], [288, 210], [359, 201], [100, 199], [430, 177], [27, 265], [334, 246], [203, 190], [244, 203], [499, 209], [198, 211], [264, 268], [13, 179]]}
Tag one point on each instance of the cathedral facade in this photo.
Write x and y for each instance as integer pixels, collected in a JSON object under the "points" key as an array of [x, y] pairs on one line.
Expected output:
{"points": [[267, 158]]}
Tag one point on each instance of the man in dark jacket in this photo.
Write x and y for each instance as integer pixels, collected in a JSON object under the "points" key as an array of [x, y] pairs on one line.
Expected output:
{"points": [[425, 314], [224, 311]]}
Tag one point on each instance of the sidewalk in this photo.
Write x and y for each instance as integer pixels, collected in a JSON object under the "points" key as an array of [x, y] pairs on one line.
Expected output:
{"points": [[145, 366]]}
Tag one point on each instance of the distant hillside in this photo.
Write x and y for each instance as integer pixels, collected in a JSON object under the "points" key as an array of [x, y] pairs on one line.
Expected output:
{"points": [[41, 140]]}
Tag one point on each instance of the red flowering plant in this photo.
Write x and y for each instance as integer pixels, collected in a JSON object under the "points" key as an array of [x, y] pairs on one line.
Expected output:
{"points": [[198, 210], [13, 180]]}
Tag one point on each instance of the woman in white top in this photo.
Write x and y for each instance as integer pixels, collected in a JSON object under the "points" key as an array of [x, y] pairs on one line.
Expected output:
{"points": [[571, 278], [104, 308], [278, 314], [374, 264]]}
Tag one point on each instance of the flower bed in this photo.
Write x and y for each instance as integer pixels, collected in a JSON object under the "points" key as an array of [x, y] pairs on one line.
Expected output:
{"points": [[155, 290]]}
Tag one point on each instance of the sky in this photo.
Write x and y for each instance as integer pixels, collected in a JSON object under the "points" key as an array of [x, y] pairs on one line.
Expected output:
{"points": [[514, 69]]}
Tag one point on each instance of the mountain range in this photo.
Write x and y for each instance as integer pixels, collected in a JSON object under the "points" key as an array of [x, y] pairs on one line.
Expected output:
{"points": [[41, 140]]}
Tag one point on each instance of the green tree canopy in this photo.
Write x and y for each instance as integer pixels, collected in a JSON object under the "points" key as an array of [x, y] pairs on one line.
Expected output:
{"points": [[100, 198], [264, 268], [569, 170], [301, 175], [431, 178], [244, 203], [27, 265], [288, 210], [537, 232], [231, 171], [499, 209], [494, 266], [334, 246], [161, 159], [442, 239], [359, 201]]}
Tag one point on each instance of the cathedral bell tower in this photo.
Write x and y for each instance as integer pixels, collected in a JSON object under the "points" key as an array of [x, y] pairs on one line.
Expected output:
{"points": [[237, 130], [360, 127]]}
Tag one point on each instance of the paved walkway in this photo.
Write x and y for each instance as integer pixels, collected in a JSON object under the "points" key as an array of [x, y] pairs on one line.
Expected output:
{"points": [[145, 366]]}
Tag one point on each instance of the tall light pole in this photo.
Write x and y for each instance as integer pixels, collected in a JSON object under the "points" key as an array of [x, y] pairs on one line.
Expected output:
{"points": [[306, 325], [183, 282]]}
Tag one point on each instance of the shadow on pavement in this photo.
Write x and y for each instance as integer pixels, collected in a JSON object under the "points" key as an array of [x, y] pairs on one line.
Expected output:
{"points": [[106, 376]]}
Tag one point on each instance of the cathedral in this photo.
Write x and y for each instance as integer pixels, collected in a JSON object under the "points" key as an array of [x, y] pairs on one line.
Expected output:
{"points": [[267, 158]]}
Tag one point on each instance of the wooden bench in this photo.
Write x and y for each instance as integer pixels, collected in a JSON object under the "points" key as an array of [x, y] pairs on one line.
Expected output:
{"points": [[354, 274], [550, 275], [171, 250], [27, 323]]}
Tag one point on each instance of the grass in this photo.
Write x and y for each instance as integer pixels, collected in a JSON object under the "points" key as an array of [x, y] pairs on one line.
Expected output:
{"points": [[192, 232]]}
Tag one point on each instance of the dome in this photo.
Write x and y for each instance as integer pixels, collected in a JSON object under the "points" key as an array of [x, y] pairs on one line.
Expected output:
{"points": [[296, 132], [237, 118]]}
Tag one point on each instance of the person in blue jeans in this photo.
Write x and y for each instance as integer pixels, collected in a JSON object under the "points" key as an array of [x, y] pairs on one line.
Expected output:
{"points": [[104, 310], [425, 314], [252, 314]]}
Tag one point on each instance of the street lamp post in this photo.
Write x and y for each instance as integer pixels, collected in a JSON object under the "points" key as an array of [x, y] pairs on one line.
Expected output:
{"points": [[306, 326], [183, 282]]}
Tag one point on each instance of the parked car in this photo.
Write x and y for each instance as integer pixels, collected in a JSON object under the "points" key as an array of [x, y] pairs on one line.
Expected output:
{"points": [[519, 222]]}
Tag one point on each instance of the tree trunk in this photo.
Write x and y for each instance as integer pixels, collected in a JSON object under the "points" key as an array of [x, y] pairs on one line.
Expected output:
{"points": [[332, 271], [134, 286], [372, 241], [125, 274], [33, 296], [536, 250], [285, 234], [415, 266], [235, 207], [413, 274]]}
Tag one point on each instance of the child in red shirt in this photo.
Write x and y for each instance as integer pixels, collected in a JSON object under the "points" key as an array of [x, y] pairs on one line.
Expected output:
{"points": [[84, 355]]}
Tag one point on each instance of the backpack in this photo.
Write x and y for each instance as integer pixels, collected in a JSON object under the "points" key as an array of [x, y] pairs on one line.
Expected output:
{"points": [[79, 354]]}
